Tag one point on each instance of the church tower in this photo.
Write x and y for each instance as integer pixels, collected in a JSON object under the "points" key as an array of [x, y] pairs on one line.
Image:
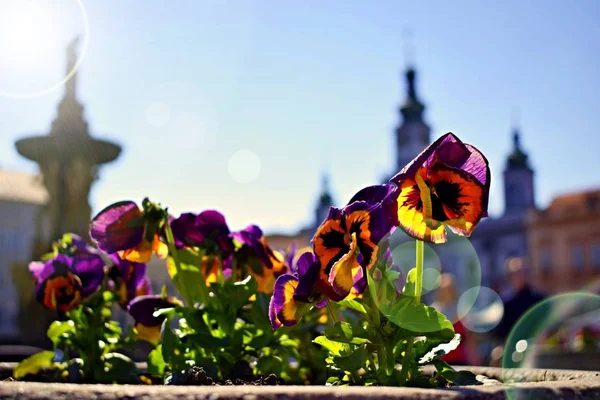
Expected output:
{"points": [[324, 203], [518, 180], [414, 134]]}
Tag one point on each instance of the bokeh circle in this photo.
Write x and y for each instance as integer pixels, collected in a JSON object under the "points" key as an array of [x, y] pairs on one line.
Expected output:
{"points": [[244, 166], [480, 309], [403, 257]]}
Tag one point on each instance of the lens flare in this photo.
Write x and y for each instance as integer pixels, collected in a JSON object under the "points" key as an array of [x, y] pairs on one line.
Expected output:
{"points": [[555, 332], [32, 34]]}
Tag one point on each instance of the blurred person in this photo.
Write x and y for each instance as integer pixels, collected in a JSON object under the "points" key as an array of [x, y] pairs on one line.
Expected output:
{"points": [[522, 299], [446, 302]]}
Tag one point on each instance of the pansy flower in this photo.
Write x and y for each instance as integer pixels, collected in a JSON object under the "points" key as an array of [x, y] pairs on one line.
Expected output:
{"points": [[255, 257], [294, 294], [129, 279], [208, 230], [142, 309], [131, 232], [447, 185], [63, 282], [346, 243]]}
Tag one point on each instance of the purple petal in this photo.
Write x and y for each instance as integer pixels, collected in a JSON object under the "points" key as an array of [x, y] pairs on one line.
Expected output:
{"points": [[360, 281], [90, 270], [131, 275], [305, 261], [37, 270], [411, 169], [118, 227], [253, 246], [290, 255], [374, 194], [185, 231], [307, 279], [451, 152], [275, 323], [142, 309], [212, 224]]}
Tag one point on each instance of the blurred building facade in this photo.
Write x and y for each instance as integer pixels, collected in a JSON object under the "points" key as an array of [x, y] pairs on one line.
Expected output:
{"points": [[564, 242], [22, 196]]}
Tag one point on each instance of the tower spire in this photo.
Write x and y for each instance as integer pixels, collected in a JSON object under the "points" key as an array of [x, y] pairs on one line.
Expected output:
{"points": [[71, 62], [518, 175], [409, 49]]}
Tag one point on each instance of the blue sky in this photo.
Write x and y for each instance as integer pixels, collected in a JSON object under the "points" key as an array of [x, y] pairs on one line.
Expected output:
{"points": [[307, 87]]}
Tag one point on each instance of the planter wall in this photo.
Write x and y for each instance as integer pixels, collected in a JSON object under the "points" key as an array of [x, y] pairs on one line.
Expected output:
{"points": [[535, 384]]}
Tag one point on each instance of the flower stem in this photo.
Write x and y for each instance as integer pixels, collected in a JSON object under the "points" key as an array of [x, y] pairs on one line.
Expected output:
{"points": [[173, 253], [419, 265], [331, 312], [420, 253]]}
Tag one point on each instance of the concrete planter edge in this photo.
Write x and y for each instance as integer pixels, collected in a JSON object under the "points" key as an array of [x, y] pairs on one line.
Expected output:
{"points": [[533, 384]]}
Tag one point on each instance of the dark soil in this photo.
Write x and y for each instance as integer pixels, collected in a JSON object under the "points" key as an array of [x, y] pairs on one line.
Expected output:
{"points": [[196, 376]]}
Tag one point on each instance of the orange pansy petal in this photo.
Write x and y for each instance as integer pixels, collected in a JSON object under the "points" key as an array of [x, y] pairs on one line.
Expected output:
{"points": [[159, 248], [411, 217], [341, 275]]}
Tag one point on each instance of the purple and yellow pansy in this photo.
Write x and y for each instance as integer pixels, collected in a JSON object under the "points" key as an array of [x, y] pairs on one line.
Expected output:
{"points": [[63, 282], [255, 257], [447, 185], [130, 231], [294, 294], [207, 230], [142, 309], [129, 279], [346, 244]]}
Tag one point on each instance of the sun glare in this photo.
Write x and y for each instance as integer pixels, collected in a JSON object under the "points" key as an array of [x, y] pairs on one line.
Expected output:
{"points": [[33, 38]]}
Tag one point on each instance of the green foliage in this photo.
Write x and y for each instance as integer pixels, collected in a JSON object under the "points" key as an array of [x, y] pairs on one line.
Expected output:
{"points": [[455, 377], [156, 362], [34, 364], [188, 277]]}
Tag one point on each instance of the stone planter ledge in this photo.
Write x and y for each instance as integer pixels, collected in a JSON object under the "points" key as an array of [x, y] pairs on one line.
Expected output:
{"points": [[534, 384]]}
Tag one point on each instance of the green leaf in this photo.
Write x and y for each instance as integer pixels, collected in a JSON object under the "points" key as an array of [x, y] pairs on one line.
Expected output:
{"points": [[269, 365], [353, 361], [334, 348], [411, 283], [190, 261], [354, 305], [440, 350], [418, 318], [169, 341], [456, 377], [345, 333], [156, 362], [33, 364], [59, 330]]}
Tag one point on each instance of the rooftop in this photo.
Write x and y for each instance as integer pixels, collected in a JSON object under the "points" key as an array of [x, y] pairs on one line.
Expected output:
{"points": [[22, 187]]}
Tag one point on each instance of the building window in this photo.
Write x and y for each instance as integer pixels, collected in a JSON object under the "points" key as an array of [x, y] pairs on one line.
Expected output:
{"points": [[596, 255], [577, 257], [546, 260]]}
